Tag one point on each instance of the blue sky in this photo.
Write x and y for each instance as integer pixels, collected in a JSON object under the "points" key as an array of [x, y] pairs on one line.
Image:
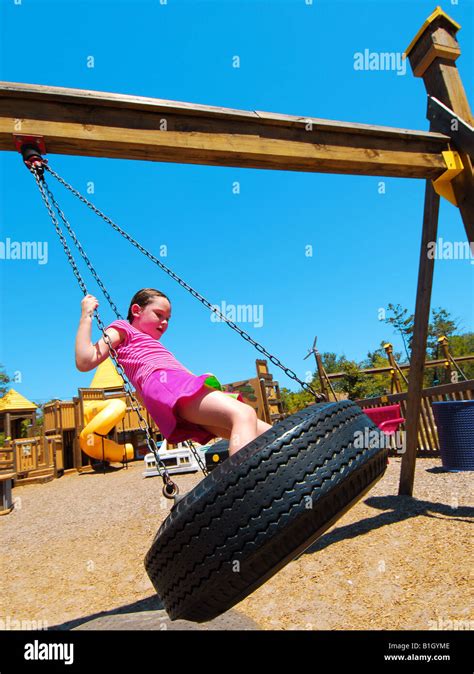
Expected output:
{"points": [[241, 249]]}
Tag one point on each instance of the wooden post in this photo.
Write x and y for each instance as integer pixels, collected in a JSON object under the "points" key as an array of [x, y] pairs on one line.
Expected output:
{"points": [[443, 341], [432, 55], [420, 332], [395, 372], [326, 385], [322, 375], [8, 425]]}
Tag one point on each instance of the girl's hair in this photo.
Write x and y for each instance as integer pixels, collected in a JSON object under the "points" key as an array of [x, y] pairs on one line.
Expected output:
{"points": [[142, 298]]}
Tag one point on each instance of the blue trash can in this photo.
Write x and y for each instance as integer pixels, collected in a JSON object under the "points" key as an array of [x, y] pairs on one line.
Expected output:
{"points": [[455, 423]]}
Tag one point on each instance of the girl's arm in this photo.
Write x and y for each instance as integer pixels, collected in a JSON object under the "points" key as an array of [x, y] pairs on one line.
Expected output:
{"points": [[88, 355]]}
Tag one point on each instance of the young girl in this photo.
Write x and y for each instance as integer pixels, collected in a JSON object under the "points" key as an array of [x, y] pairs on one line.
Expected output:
{"points": [[181, 403]]}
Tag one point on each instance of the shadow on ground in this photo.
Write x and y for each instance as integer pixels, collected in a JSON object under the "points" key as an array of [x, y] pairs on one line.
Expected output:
{"points": [[101, 469], [149, 614], [396, 509]]}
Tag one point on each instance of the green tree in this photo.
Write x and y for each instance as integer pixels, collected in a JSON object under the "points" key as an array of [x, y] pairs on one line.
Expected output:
{"points": [[459, 345], [463, 345], [293, 401], [441, 324], [380, 384], [356, 385], [374, 358], [402, 322], [4, 380]]}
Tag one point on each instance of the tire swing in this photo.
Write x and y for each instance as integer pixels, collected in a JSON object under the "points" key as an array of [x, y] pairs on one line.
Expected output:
{"points": [[261, 507]]}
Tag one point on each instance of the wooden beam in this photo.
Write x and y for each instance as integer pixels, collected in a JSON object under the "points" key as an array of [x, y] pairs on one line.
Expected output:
{"points": [[420, 332], [382, 370], [433, 56], [98, 124]]}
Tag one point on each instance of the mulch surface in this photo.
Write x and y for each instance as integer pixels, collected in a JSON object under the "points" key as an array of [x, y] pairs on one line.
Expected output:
{"points": [[73, 553]]}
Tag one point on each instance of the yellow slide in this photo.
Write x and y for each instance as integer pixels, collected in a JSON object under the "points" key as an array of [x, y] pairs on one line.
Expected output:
{"points": [[100, 416]]}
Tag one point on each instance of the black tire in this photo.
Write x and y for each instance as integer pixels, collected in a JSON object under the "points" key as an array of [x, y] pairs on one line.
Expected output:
{"points": [[250, 516]]}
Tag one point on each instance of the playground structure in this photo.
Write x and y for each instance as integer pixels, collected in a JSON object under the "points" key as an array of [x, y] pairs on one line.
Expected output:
{"points": [[427, 441], [448, 364], [262, 392], [100, 417], [396, 401], [22, 456], [98, 424]]}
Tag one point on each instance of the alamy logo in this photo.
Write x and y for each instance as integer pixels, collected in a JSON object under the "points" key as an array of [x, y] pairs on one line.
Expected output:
{"points": [[450, 250], [448, 624], [45, 651], [9, 623], [240, 313], [373, 60], [24, 250], [377, 439]]}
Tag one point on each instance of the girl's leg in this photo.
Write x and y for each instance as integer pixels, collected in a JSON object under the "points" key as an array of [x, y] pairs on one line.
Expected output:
{"points": [[219, 432], [225, 432], [262, 426], [217, 410]]}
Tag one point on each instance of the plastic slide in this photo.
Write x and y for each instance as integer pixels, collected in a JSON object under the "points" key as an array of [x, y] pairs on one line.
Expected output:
{"points": [[100, 416]]}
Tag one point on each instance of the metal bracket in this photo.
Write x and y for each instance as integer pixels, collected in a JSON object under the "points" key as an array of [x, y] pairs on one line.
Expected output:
{"points": [[32, 148], [446, 121], [35, 141], [442, 184]]}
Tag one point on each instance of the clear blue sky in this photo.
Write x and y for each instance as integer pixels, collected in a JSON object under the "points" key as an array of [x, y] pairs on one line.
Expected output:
{"points": [[242, 249]]}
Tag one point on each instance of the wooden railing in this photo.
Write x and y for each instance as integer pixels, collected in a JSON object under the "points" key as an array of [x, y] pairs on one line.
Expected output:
{"points": [[428, 443], [7, 459]]}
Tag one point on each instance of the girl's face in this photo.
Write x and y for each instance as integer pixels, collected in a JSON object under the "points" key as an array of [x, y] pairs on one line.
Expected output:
{"points": [[152, 318]]}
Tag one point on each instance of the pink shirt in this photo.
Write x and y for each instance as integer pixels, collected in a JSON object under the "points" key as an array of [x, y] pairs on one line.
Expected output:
{"points": [[140, 355]]}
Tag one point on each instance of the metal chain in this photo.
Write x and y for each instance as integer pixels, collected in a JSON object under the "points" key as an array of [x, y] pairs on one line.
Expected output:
{"points": [[197, 456], [169, 487], [81, 250], [242, 333], [102, 287], [109, 299]]}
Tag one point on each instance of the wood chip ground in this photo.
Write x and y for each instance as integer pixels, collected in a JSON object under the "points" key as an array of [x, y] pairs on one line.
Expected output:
{"points": [[73, 549]]}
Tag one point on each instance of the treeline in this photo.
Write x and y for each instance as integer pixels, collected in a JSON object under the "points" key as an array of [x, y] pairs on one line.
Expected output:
{"points": [[355, 385]]}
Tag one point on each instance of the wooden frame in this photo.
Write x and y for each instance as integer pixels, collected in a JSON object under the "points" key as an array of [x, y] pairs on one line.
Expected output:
{"points": [[97, 124]]}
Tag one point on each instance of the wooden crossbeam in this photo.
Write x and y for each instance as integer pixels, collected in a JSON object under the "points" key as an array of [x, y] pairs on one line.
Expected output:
{"points": [[91, 123], [387, 368]]}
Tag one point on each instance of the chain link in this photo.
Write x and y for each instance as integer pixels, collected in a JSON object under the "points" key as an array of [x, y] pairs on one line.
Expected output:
{"points": [[169, 487], [242, 333]]}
